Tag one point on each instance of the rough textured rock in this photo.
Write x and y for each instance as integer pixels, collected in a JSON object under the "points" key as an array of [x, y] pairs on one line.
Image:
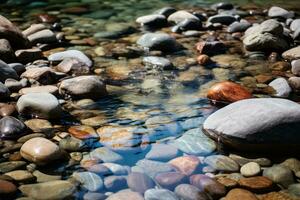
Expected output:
{"points": [[267, 123]]}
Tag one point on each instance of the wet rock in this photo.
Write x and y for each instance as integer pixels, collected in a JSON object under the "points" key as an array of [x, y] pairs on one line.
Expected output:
{"points": [[228, 92], [40, 89], [158, 62], [154, 20], [117, 169], [162, 152], [83, 132], [294, 190], [227, 182], [223, 6], [241, 26], [115, 183], [11, 165], [190, 192], [71, 144], [280, 66], [73, 66], [250, 169], [7, 110], [277, 12], [11, 33], [99, 169], [106, 155], [186, 25], [81, 57], [94, 196], [203, 59], [28, 55], [158, 41], [237, 194], [139, 182], [126, 194], [13, 85], [7, 72], [169, 180], [83, 87], [152, 168], [41, 177], [181, 15], [292, 163], [187, 165], [212, 187], [295, 24], [222, 19], [281, 86], [6, 51], [256, 184], [262, 126], [157, 194], [4, 92], [49, 190], [21, 176], [7, 188], [18, 67], [264, 162], [210, 47], [43, 36], [11, 128], [296, 67], [166, 11], [38, 125], [222, 163], [41, 105], [90, 181], [43, 75], [292, 54], [40, 150], [280, 175], [33, 29], [195, 142]]}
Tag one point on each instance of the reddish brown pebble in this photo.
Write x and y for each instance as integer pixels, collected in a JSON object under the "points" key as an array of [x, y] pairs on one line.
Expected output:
{"points": [[228, 92], [281, 66], [256, 184], [203, 59], [240, 194], [7, 187], [82, 132], [7, 110]]}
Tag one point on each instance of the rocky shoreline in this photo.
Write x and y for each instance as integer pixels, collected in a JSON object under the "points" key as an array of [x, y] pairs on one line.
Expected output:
{"points": [[181, 105]]}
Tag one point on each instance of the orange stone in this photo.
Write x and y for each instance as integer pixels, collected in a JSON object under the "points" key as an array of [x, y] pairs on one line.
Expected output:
{"points": [[203, 59], [227, 92], [240, 194], [256, 184], [83, 132], [227, 182], [7, 187]]}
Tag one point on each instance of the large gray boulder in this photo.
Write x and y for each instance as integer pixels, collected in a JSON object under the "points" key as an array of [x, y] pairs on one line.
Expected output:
{"points": [[256, 124]]}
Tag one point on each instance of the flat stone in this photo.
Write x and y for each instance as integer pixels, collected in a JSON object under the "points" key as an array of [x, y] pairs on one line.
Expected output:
{"points": [[296, 67], [222, 163], [166, 11], [33, 29], [21, 176], [277, 12], [162, 152], [187, 25], [152, 168], [7, 188], [49, 191], [115, 183], [94, 196], [38, 125], [154, 20], [83, 132], [140, 182], [295, 25], [40, 150], [106, 155], [73, 66], [11, 128], [43, 75], [39, 89], [256, 184], [237, 194], [222, 19], [158, 62], [250, 169], [83, 87], [282, 87], [292, 54], [117, 169], [158, 194], [181, 15], [187, 165], [11, 165], [264, 162], [72, 144], [126, 194], [280, 175], [42, 178], [7, 110], [262, 128], [28, 55], [190, 192], [71, 54], [90, 181], [44, 36], [41, 105], [241, 26], [170, 180], [227, 182], [209, 185]]}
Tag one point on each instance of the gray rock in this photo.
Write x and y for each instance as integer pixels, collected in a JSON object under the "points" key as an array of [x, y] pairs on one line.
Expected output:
{"points": [[222, 163], [296, 67], [117, 169], [166, 11], [292, 54], [296, 34], [186, 25], [169, 180], [18, 67], [264, 162], [71, 54], [90, 181], [4, 92], [115, 183], [241, 26], [181, 15], [11, 165], [154, 20], [43, 36], [294, 82], [13, 85], [158, 194], [162, 152], [6, 51], [7, 72], [11, 128], [190, 192], [139, 182], [222, 19], [94, 196], [271, 26], [49, 191], [158, 41], [41, 105], [83, 87], [152, 168], [281, 86], [106, 155], [280, 175], [295, 25], [277, 12], [28, 55], [33, 29], [158, 62], [268, 124]]}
